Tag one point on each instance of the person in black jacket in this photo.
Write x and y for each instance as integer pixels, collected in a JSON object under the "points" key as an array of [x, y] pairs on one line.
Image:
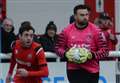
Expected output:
{"points": [[48, 39], [72, 19], [7, 35]]}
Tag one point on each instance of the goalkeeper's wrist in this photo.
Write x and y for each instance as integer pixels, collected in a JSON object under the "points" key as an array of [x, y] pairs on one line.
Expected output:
{"points": [[64, 57], [93, 55]]}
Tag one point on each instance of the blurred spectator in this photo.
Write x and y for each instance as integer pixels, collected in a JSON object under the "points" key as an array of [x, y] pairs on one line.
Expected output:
{"points": [[48, 40], [26, 23], [104, 22], [7, 35], [72, 19], [1, 18]]}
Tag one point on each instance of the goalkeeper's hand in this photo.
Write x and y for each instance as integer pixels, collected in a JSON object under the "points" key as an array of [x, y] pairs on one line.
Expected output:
{"points": [[86, 52], [78, 55]]}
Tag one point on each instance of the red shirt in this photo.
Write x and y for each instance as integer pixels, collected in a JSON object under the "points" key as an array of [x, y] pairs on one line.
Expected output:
{"points": [[111, 43], [32, 59]]}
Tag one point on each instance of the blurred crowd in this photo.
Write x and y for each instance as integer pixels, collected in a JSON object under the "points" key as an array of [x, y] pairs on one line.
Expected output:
{"points": [[50, 36]]}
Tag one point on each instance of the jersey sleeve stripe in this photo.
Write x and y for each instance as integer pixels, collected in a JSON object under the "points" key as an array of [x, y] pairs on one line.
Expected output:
{"points": [[39, 50]]}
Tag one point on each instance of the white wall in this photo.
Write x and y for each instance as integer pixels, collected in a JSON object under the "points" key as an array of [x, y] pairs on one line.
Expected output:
{"points": [[117, 15], [117, 21], [40, 12]]}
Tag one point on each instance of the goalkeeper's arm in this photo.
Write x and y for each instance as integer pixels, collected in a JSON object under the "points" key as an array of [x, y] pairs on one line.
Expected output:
{"points": [[102, 47]]}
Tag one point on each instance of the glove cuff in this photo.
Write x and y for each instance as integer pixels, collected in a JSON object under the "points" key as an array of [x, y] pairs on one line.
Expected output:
{"points": [[90, 56], [64, 57]]}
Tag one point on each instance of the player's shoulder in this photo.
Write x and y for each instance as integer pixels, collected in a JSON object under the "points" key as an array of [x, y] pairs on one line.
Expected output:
{"points": [[68, 28], [15, 43], [36, 46], [94, 28]]}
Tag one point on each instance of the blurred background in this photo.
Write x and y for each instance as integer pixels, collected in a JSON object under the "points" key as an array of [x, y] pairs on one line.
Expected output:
{"points": [[41, 12]]}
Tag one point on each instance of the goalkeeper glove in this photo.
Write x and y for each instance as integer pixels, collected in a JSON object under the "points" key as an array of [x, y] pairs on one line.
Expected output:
{"points": [[85, 52], [78, 55]]}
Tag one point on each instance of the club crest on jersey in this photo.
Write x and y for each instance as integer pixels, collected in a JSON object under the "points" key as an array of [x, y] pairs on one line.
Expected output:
{"points": [[29, 56], [89, 37], [73, 37], [16, 51]]}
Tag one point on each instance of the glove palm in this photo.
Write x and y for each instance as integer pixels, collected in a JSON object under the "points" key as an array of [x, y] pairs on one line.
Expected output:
{"points": [[78, 55]]}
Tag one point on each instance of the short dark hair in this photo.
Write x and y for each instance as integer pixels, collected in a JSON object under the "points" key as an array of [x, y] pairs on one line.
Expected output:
{"points": [[25, 23], [81, 6], [104, 16], [26, 28]]}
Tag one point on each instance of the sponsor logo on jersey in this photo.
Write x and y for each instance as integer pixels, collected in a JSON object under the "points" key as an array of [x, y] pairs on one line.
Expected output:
{"points": [[29, 56], [16, 51]]}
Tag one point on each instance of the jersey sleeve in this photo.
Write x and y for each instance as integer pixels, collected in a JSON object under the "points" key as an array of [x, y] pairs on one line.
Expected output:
{"points": [[12, 61], [102, 47], [42, 63], [60, 46]]}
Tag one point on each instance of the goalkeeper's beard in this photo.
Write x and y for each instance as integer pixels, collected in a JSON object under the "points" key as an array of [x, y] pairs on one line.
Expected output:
{"points": [[82, 25]]}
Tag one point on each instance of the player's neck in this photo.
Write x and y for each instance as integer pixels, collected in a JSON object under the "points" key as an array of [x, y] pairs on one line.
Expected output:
{"points": [[25, 46], [80, 26]]}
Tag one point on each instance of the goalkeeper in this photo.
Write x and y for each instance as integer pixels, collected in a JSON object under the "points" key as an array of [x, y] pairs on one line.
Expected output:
{"points": [[83, 45]]}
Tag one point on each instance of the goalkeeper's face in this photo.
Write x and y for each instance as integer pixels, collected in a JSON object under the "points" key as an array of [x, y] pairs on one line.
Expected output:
{"points": [[82, 16], [26, 38]]}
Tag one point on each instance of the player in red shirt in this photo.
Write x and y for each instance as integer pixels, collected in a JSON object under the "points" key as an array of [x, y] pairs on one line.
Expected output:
{"points": [[29, 57], [104, 22]]}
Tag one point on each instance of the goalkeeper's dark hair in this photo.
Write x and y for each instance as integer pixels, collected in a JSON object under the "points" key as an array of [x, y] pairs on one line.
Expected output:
{"points": [[81, 6]]}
